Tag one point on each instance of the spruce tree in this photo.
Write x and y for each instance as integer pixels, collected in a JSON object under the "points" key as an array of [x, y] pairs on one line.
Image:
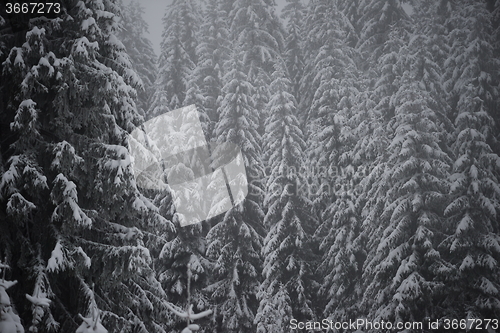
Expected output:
{"points": [[472, 53], [288, 285], [186, 248], [377, 20], [403, 267], [140, 50], [471, 246], [234, 244], [294, 12], [329, 92], [255, 28], [213, 51], [74, 219], [9, 320], [177, 56]]}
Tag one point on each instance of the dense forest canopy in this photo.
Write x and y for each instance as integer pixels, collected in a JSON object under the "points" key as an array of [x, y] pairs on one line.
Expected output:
{"points": [[369, 130]]}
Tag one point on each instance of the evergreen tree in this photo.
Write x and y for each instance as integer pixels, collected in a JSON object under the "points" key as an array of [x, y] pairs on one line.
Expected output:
{"points": [[352, 10], [177, 56], [74, 218], [186, 248], [473, 230], [140, 51], [472, 247], [287, 252], [403, 266], [9, 320], [294, 12], [213, 51], [472, 54], [328, 57], [235, 243], [376, 22], [373, 122], [256, 29], [329, 93]]}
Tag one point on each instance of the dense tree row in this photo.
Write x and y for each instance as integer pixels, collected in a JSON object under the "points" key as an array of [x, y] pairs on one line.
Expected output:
{"points": [[369, 130]]}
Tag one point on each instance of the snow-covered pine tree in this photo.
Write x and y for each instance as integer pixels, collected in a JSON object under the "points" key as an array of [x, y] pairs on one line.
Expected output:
{"points": [[343, 246], [213, 51], [472, 246], [327, 55], [403, 266], [188, 315], [73, 215], [352, 10], [287, 290], [377, 20], [330, 88], [177, 56], [235, 242], [186, 248], [186, 245], [331, 139], [384, 28], [140, 50], [315, 22], [472, 54], [373, 117], [256, 29], [294, 13]]}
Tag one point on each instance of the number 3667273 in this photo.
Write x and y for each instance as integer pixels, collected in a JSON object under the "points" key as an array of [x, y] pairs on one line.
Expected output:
{"points": [[33, 8]]}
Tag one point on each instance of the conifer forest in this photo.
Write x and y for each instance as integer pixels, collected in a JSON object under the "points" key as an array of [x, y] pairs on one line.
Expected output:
{"points": [[370, 135]]}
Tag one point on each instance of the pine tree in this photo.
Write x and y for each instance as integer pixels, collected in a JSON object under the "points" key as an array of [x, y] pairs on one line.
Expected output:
{"points": [[235, 242], [403, 267], [256, 29], [294, 12], [376, 22], [352, 10], [287, 252], [472, 53], [213, 51], [74, 217], [329, 95], [140, 51], [177, 57], [373, 121], [187, 248], [471, 246], [331, 90], [328, 57], [188, 314]]}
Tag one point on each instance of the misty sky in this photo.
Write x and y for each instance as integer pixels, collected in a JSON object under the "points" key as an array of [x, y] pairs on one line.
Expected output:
{"points": [[154, 11]]}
